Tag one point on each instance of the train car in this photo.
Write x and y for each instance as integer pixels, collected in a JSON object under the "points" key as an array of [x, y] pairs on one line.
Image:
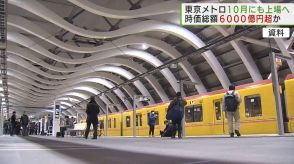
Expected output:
{"points": [[204, 115], [289, 98]]}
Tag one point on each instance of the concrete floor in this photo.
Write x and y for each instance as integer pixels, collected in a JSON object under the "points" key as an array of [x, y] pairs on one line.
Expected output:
{"points": [[112, 150]]}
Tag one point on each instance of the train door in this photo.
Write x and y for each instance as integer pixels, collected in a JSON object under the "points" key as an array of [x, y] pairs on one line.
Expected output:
{"points": [[138, 123], [219, 116]]}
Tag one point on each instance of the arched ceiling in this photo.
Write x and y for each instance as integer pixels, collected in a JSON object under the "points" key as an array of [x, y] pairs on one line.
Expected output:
{"points": [[69, 50]]}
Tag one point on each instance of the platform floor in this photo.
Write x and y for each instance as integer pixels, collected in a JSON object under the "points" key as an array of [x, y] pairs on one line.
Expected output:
{"points": [[112, 150]]}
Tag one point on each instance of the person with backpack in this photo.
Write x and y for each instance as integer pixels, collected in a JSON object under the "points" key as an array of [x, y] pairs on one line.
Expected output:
{"points": [[231, 105], [24, 121], [175, 113], [151, 122], [92, 117]]}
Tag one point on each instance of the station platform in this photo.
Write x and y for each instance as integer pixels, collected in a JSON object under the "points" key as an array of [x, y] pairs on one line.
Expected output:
{"points": [[128, 150]]}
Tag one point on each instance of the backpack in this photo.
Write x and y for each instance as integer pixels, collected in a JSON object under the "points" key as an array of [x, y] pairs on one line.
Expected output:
{"points": [[175, 113], [231, 102]]}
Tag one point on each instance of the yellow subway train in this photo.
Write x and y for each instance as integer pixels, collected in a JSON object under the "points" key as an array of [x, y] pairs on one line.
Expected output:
{"points": [[204, 116]]}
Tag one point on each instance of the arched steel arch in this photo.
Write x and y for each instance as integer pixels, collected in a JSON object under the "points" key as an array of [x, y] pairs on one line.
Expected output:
{"points": [[40, 10], [157, 9], [117, 70], [244, 55], [28, 26], [21, 52], [20, 39]]}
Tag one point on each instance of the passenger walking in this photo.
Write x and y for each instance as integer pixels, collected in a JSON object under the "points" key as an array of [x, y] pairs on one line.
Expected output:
{"points": [[175, 113], [92, 117], [12, 123], [151, 122], [24, 121], [231, 105]]}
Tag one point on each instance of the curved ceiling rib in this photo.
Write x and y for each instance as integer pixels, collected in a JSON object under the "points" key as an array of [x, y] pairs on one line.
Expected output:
{"points": [[26, 90], [18, 78], [100, 83], [244, 55], [119, 71], [28, 26], [73, 88], [18, 38], [113, 69], [17, 81], [40, 10], [159, 8], [37, 93], [29, 56], [113, 78], [15, 37], [16, 69]]}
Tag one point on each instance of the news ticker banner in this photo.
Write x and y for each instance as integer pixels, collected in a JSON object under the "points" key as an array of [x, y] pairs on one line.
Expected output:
{"points": [[203, 14]]}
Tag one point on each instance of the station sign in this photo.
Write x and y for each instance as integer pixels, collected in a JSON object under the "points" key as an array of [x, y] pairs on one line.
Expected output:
{"points": [[57, 111]]}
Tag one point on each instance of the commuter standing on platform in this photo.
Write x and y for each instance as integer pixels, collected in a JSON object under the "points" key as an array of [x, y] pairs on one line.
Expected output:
{"points": [[175, 113], [231, 105], [24, 120], [92, 117], [12, 123], [151, 122]]}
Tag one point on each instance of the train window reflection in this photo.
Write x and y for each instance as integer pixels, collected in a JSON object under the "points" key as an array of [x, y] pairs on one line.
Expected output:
{"points": [[218, 113], [139, 118], [114, 123], [194, 113], [253, 106], [198, 116], [189, 113], [128, 121]]}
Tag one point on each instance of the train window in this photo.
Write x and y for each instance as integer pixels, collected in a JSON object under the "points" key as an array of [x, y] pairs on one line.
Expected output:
{"points": [[218, 112], [253, 106], [128, 121], [109, 123], [193, 113], [157, 117], [114, 123], [189, 110], [198, 116], [139, 119]]}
